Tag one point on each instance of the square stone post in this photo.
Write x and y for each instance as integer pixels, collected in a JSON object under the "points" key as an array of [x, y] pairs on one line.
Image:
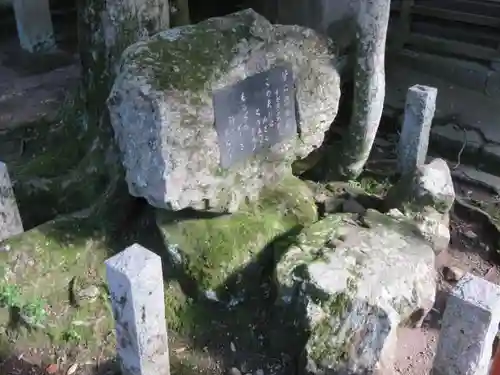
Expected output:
{"points": [[135, 281], [414, 140], [34, 25], [10, 219], [468, 328]]}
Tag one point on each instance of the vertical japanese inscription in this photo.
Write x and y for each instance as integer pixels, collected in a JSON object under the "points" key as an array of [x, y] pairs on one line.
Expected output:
{"points": [[255, 114]]}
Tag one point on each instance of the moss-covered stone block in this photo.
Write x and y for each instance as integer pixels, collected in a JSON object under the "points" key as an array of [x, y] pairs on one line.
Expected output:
{"points": [[346, 284], [212, 250], [162, 109]]}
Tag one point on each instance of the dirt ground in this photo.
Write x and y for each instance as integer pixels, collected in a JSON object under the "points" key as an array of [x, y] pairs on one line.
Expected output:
{"points": [[28, 93], [467, 253]]}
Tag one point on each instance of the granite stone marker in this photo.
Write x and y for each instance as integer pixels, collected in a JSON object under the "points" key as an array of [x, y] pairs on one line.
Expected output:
{"points": [[468, 328], [34, 25], [414, 140], [10, 219], [135, 281], [174, 122], [255, 114]]}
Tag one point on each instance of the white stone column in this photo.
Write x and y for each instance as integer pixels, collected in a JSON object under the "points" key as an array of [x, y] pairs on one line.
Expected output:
{"points": [[414, 140], [135, 281], [34, 25], [10, 219], [468, 328]]}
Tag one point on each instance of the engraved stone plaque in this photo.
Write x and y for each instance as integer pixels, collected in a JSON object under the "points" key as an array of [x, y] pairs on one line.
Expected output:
{"points": [[255, 114]]}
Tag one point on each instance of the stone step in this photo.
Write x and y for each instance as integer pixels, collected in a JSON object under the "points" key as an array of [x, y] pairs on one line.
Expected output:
{"points": [[467, 74]]}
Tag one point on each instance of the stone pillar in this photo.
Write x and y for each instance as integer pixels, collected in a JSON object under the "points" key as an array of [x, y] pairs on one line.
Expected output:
{"points": [[10, 220], [34, 25], [135, 281], [468, 328], [414, 140], [372, 20]]}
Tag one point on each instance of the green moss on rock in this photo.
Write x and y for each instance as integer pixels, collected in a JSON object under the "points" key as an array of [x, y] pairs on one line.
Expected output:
{"points": [[42, 264], [194, 54], [212, 249]]}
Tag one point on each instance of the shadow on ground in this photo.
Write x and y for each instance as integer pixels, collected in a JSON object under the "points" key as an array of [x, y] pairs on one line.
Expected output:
{"points": [[251, 334]]}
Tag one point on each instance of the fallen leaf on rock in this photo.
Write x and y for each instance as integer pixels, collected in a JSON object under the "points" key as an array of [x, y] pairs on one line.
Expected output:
{"points": [[51, 369]]}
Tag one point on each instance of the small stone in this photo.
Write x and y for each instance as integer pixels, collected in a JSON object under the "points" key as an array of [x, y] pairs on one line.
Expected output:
{"points": [[332, 243], [259, 372], [470, 235], [452, 273], [90, 293], [395, 213], [5, 248], [434, 227], [234, 371], [233, 347]]}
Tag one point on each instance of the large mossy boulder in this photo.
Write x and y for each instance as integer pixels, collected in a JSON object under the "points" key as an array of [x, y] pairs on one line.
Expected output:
{"points": [[350, 284], [162, 111], [225, 256]]}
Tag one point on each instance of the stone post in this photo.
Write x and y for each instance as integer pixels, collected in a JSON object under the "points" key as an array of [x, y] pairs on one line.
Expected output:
{"points": [[414, 140], [135, 281], [372, 19], [34, 25], [10, 219], [468, 328]]}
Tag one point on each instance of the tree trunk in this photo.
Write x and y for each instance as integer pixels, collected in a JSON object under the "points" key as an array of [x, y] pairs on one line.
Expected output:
{"points": [[369, 77], [81, 158]]}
